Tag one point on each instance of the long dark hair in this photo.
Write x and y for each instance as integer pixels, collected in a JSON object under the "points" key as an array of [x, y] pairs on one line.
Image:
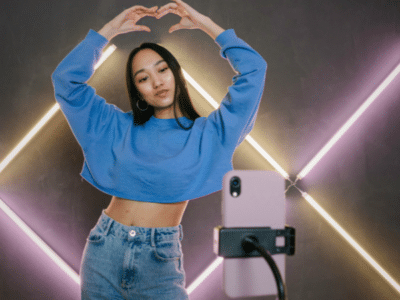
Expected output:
{"points": [[181, 93]]}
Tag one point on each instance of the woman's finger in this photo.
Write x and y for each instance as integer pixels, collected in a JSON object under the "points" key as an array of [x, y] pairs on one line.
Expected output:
{"points": [[181, 3], [177, 27], [141, 28], [166, 9], [142, 8], [141, 13], [130, 26], [167, 6]]}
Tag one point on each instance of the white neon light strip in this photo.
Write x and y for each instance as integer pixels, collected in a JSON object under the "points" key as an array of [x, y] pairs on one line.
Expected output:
{"points": [[350, 122], [38, 241], [21, 224], [200, 89], [28, 137], [267, 157], [248, 137], [46, 118], [211, 268], [350, 240], [311, 201], [106, 54]]}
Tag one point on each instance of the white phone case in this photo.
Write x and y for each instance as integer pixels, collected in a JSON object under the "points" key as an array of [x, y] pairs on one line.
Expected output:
{"points": [[260, 204]]}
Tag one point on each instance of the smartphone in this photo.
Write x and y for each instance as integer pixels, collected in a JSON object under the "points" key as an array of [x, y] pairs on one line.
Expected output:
{"points": [[252, 198]]}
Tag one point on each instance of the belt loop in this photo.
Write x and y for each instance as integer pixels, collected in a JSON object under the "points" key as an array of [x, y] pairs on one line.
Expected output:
{"points": [[153, 237], [108, 226], [180, 232]]}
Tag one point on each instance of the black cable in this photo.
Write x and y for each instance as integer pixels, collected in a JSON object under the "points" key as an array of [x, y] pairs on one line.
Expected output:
{"points": [[249, 244]]}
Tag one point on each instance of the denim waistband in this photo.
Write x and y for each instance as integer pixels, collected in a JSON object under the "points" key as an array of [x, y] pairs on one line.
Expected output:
{"points": [[139, 234]]}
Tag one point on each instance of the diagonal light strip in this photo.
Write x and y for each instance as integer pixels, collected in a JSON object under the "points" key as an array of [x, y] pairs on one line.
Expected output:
{"points": [[106, 54], [18, 221], [350, 122], [47, 117], [211, 268], [311, 201], [28, 137], [350, 240], [248, 137], [267, 157], [200, 89], [38, 241]]}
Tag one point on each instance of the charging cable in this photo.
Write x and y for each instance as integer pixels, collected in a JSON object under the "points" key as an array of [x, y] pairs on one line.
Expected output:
{"points": [[249, 244]]}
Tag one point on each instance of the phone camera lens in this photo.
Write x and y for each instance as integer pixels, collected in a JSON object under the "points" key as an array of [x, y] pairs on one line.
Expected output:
{"points": [[235, 187]]}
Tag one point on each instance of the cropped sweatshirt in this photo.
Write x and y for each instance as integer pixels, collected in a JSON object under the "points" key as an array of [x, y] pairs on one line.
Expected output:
{"points": [[158, 161]]}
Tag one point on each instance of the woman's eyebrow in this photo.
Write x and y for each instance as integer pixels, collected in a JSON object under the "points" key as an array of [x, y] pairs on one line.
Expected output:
{"points": [[142, 70]]}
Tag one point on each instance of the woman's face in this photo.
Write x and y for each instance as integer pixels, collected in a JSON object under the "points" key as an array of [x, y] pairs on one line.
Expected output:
{"points": [[155, 82]]}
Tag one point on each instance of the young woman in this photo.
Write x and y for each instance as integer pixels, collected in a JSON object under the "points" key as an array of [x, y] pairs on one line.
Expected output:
{"points": [[155, 158]]}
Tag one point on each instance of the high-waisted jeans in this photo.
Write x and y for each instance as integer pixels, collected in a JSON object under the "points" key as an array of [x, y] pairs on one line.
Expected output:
{"points": [[129, 262]]}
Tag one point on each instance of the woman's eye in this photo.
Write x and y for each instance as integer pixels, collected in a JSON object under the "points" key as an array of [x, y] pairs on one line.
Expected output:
{"points": [[163, 69], [142, 79]]}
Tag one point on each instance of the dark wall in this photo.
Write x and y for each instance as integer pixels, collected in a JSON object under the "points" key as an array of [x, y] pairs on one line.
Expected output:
{"points": [[324, 59]]}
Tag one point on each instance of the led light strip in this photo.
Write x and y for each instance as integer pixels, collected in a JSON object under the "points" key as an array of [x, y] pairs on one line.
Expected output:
{"points": [[248, 137], [47, 117], [21, 224], [200, 89], [106, 54], [29, 136], [267, 157], [38, 241], [350, 122], [350, 240], [211, 268], [312, 163]]}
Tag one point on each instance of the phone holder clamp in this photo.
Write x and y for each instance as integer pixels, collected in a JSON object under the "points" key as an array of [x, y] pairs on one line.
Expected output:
{"points": [[232, 243]]}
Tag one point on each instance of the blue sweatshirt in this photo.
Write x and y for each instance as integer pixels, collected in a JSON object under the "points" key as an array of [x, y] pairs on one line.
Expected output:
{"points": [[158, 161]]}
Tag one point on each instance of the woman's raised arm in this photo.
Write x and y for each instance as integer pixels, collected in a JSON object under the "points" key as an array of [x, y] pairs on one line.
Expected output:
{"points": [[88, 114], [236, 115]]}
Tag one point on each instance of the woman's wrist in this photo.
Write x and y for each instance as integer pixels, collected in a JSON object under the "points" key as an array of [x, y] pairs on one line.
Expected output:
{"points": [[211, 28], [107, 31]]}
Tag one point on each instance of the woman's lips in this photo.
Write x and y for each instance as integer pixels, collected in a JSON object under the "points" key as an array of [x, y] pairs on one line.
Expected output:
{"points": [[162, 93]]}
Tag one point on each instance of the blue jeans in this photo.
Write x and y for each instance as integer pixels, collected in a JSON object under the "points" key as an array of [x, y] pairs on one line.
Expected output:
{"points": [[129, 262]]}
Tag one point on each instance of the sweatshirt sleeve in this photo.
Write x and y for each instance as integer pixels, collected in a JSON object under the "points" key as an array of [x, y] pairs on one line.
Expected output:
{"points": [[236, 115], [89, 115]]}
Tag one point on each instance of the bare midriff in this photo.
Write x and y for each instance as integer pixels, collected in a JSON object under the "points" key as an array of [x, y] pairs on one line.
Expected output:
{"points": [[145, 214]]}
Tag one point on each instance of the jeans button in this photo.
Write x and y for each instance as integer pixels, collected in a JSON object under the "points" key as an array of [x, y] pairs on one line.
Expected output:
{"points": [[132, 233]]}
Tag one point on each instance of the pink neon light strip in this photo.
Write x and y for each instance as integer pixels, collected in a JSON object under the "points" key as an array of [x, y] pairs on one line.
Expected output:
{"points": [[350, 240], [203, 276], [38, 241], [5, 162], [349, 123]]}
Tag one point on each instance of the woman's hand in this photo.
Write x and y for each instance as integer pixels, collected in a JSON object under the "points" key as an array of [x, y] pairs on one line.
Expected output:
{"points": [[191, 19], [126, 21]]}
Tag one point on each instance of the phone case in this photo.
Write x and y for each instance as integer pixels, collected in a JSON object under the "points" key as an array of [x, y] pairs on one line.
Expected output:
{"points": [[261, 203]]}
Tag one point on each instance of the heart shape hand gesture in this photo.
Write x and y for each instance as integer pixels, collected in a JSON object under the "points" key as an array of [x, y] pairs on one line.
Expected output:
{"points": [[191, 19]]}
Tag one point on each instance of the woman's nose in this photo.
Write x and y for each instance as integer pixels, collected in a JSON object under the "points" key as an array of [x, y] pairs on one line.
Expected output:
{"points": [[157, 81]]}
